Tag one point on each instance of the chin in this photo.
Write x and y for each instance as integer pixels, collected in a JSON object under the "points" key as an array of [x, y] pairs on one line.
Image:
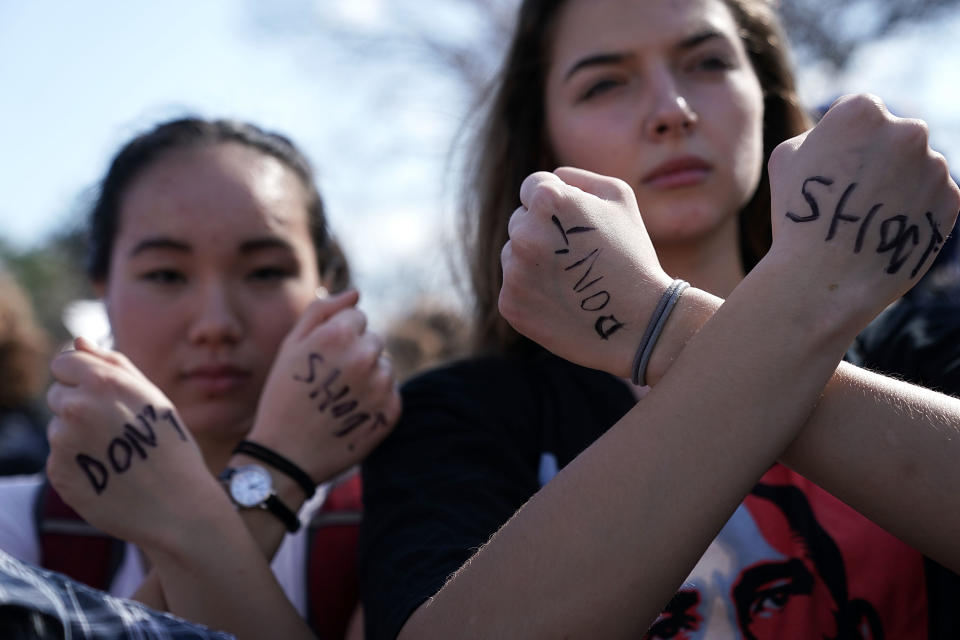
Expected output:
{"points": [[689, 224], [211, 422]]}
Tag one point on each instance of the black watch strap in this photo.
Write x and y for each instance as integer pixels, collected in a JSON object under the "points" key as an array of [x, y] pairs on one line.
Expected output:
{"points": [[289, 519], [279, 463], [271, 503]]}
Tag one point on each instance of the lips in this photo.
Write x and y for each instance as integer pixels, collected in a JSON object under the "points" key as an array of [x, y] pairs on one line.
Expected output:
{"points": [[216, 379], [678, 172]]}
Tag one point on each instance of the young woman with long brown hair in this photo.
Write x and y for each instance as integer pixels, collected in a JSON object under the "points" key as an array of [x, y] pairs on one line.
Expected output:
{"points": [[683, 103]]}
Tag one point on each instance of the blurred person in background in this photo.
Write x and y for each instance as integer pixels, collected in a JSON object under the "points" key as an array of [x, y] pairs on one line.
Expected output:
{"points": [[24, 357]]}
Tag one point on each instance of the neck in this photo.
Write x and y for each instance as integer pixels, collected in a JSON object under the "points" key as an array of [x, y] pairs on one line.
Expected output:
{"points": [[711, 263]]}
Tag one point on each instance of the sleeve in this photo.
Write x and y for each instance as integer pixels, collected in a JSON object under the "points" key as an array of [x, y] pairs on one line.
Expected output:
{"points": [[461, 461], [18, 531]]}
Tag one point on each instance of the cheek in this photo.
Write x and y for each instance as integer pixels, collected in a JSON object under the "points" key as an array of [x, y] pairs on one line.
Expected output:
{"points": [[271, 322], [145, 331], [596, 140], [745, 143]]}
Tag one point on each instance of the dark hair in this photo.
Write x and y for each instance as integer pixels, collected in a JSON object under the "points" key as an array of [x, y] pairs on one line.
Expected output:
{"points": [[826, 557], [512, 143], [191, 133]]}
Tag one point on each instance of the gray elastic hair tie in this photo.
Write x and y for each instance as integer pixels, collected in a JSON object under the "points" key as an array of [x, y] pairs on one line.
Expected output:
{"points": [[659, 318]]}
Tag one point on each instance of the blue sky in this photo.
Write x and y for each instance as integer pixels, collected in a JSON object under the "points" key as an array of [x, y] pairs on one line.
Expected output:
{"points": [[78, 78]]}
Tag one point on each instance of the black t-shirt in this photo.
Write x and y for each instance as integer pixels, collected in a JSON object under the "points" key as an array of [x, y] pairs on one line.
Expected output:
{"points": [[478, 438]]}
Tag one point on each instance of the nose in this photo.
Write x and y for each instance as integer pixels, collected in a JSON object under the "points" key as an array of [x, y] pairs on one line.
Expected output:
{"points": [[216, 320], [670, 115]]}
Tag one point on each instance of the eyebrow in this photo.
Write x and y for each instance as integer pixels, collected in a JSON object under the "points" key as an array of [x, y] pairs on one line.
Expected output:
{"points": [[262, 244], [247, 247], [160, 243], [600, 59], [683, 601]]}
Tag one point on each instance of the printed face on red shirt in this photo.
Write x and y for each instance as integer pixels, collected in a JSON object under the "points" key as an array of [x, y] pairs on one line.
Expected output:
{"points": [[758, 588]]}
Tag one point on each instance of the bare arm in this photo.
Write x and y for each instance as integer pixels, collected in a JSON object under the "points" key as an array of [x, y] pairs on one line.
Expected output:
{"points": [[886, 447]]}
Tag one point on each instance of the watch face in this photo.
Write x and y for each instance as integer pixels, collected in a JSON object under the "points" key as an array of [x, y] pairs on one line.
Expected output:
{"points": [[250, 485]]}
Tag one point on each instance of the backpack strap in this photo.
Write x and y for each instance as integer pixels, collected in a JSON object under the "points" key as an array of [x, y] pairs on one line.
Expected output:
{"points": [[333, 589], [71, 546]]}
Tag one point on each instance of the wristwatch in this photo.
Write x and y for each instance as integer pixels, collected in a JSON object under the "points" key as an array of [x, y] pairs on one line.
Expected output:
{"points": [[251, 487]]}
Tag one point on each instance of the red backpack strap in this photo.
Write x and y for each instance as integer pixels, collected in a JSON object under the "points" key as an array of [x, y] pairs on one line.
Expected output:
{"points": [[333, 590], [70, 546]]}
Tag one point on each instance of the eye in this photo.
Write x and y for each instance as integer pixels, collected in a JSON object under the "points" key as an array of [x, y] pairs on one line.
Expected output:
{"points": [[672, 627], [164, 276], [715, 63], [600, 87], [270, 273], [770, 601]]}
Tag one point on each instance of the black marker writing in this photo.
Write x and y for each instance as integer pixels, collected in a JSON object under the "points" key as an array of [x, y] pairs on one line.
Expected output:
{"points": [[898, 236], [334, 397], [814, 209], [312, 360], [120, 451], [936, 241], [605, 326], [897, 240]]}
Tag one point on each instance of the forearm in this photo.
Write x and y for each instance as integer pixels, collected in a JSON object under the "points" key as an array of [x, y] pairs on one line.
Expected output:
{"points": [[891, 450], [266, 530], [150, 592], [220, 578], [885, 447], [632, 514]]}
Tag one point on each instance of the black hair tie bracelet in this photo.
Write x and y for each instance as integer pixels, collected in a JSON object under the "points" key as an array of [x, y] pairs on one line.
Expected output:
{"points": [[279, 463]]}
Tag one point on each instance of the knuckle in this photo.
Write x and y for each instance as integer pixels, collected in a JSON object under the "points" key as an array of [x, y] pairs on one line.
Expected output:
{"points": [[368, 353], [915, 133], [73, 411], [546, 199], [333, 334], [867, 107]]}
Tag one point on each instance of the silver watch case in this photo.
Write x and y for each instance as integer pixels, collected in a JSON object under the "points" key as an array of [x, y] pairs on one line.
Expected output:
{"points": [[250, 485]]}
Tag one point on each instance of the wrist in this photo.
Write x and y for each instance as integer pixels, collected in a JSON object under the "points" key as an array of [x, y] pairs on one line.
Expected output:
{"points": [[286, 489], [816, 313], [182, 536], [692, 311]]}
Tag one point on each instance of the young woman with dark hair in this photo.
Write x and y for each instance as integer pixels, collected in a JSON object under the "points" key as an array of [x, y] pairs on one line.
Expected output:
{"points": [[211, 251]]}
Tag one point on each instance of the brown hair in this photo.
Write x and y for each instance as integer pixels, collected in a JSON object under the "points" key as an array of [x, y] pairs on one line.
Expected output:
{"points": [[512, 143], [24, 348]]}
